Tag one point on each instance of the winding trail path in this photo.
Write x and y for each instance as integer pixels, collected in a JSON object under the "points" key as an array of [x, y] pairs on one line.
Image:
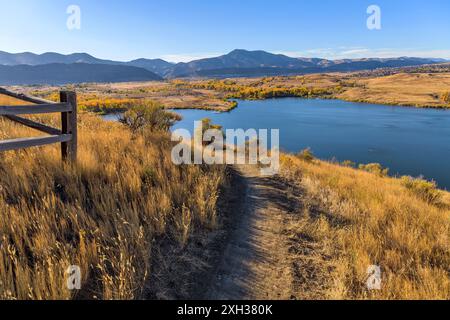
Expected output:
{"points": [[256, 263]]}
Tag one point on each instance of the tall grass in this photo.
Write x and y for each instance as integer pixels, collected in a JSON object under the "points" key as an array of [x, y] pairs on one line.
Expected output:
{"points": [[359, 219], [105, 215]]}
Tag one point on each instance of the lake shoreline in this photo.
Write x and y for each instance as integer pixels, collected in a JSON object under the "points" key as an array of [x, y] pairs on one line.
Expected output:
{"points": [[343, 130], [384, 104], [362, 133]]}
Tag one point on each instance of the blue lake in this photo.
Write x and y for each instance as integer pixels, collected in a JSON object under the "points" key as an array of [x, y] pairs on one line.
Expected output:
{"points": [[409, 141]]}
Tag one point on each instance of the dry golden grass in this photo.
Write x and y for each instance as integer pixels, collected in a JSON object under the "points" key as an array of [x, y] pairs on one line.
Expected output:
{"points": [[119, 96], [410, 89], [357, 219], [406, 89], [8, 101], [104, 215]]}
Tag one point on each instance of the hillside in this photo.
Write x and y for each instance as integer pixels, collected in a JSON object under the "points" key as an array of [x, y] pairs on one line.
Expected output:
{"points": [[157, 66], [243, 63], [350, 219], [32, 59], [114, 214], [412, 87], [127, 216], [58, 73]]}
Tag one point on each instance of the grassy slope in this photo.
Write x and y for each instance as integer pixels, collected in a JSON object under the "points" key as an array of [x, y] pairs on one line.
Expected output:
{"points": [[106, 215], [417, 89], [358, 219]]}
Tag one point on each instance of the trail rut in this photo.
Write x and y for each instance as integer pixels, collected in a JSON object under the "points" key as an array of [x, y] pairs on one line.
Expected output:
{"points": [[256, 263]]}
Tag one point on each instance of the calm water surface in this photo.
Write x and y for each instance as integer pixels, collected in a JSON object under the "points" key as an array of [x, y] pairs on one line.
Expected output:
{"points": [[409, 141]]}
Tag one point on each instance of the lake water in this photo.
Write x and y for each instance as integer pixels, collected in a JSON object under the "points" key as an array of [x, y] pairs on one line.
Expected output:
{"points": [[409, 141]]}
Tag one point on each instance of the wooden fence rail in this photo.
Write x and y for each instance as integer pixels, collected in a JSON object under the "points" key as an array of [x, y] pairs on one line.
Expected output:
{"points": [[67, 135]]}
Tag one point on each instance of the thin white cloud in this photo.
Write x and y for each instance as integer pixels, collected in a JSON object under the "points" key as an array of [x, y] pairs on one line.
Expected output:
{"points": [[361, 52], [355, 52], [329, 53]]}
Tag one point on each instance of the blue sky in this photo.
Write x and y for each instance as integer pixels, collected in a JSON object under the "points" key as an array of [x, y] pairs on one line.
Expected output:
{"points": [[180, 30]]}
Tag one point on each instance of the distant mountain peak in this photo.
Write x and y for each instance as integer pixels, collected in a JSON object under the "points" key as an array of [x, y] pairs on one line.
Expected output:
{"points": [[238, 51]]}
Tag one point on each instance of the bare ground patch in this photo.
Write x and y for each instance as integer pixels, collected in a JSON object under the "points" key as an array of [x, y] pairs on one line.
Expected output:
{"points": [[269, 255]]}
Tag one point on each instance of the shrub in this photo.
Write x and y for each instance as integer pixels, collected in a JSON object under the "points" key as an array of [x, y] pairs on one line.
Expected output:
{"points": [[375, 168], [233, 105], [348, 163], [208, 125], [306, 155], [446, 97], [425, 190], [149, 177], [150, 116]]}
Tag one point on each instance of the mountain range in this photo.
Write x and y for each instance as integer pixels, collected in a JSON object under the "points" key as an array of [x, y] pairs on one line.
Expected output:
{"points": [[241, 63], [55, 68], [60, 73]]}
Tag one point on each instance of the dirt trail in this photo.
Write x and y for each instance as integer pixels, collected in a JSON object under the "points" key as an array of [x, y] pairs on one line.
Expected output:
{"points": [[256, 263]]}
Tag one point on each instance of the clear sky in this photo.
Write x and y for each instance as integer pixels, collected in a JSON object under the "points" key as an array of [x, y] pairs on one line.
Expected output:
{"points": [[180, 30]]}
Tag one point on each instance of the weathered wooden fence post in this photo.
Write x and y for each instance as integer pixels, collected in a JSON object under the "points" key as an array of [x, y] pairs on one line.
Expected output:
{"points": [[69, 126]]}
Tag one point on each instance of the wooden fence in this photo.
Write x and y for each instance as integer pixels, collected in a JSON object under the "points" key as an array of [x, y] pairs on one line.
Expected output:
{"points": [[67, 135]]}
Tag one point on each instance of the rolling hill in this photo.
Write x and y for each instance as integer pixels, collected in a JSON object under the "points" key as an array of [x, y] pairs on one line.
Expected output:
{"points": [[157, 66], [59, 73]]}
